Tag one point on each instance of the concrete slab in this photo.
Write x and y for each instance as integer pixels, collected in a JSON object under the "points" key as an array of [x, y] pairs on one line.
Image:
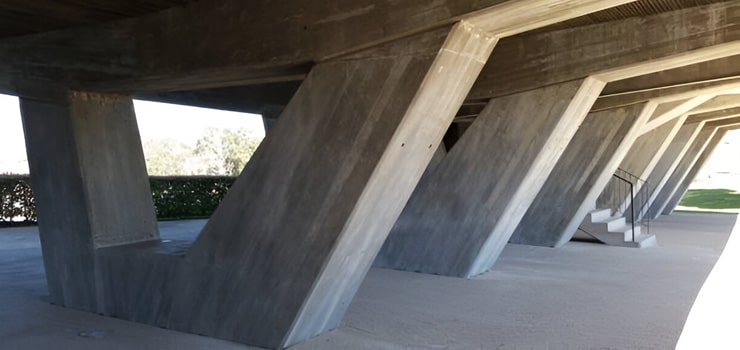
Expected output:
{"points": [[597, 297]]}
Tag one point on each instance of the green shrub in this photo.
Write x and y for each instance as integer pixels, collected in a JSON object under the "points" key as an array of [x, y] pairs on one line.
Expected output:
{"points": [[174, 197], [188, 196]]}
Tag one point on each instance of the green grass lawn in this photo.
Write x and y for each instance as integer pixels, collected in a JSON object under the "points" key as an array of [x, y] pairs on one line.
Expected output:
{"points": [[711, 199]]}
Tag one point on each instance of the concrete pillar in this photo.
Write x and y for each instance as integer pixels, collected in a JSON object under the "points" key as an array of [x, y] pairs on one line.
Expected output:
{"points": [[681, 170], [691, 175], [270, 116], [581, 174], [90, 185], [462, 214], [667, 163], [641, 159], [283, 255]]}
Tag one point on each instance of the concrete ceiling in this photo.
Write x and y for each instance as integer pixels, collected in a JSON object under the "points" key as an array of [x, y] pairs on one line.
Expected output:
{"points": [[638, 8], [19, 17]]}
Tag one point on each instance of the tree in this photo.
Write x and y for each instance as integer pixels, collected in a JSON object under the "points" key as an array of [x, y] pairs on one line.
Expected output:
{"points": [[225, 151], [166, 157]]}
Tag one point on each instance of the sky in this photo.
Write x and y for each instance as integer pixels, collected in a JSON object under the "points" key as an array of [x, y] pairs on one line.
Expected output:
{"points": [[156, 120]]}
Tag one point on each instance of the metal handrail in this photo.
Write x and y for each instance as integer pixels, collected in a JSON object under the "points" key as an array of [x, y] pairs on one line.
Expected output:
{"points": [[632, 181], [632, 201]]}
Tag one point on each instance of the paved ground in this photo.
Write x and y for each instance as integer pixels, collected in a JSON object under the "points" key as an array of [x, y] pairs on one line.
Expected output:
{"points": [[581, 296]]}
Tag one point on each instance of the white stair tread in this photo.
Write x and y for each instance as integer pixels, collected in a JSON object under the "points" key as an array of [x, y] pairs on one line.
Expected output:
{"points": [[600, 214]]}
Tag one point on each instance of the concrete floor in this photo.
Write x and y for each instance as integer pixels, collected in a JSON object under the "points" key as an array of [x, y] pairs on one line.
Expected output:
{"points": [[580, 296]]}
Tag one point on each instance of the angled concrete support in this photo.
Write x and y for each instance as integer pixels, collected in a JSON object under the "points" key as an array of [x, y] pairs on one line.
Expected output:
{"points": [[90, 184], [283, 255], [668, 198], [462, 214], [691, 175], [667, 112], [682, 168], [580, 175], [641, 159], [667, 163], [270, 116]]}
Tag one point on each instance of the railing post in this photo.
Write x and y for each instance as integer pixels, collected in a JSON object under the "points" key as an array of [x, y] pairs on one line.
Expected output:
{"points": [[632, 195]]}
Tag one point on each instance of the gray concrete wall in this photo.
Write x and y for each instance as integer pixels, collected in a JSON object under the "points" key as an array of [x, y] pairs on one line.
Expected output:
{"points": [[641, 159], [462, 214], [691, 175], [90, 183], [580, 175], [681, 170], [283, 255], [270, 115], [665, 166]]}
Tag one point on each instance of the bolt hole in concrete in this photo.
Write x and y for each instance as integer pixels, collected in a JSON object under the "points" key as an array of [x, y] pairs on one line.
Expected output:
{"points": [[93, 333], [715, 316]]}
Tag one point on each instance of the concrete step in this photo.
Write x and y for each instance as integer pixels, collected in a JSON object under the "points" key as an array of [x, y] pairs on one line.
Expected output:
{"points": [[599, 215], [646, 241], [626, 231], [615, 230], [615, 223]]}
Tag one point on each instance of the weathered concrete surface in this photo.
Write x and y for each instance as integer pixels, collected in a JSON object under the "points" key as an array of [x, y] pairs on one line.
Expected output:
{"points": [[286, 250], [580, 175], [400, 310], [90, 185], [530, 61], [681, 170], [669, 111], [231, 43], [667, 163], [691, 175], [270, 115], [641, 159], [462, 214]]}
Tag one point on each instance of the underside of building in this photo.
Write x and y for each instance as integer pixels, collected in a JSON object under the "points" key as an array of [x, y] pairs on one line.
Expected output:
{"points": [[411, 135]]}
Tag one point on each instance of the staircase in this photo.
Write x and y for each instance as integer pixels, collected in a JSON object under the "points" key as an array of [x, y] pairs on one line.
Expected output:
{"points": [[615, 230]]}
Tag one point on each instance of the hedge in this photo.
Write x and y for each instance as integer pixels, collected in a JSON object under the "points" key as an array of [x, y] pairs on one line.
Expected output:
{"points": [[188, 196], [177, 197], [16, 199]]}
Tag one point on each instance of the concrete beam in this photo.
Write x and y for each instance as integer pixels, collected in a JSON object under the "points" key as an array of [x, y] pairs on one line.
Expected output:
{"points": [[232, 42], [90, 184], [725, 69], [583, 170], [714, 115], [245, 99], [672, 110], [723, 101], [481, 195], [530, 61], [668, 94], [723, 122]]}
